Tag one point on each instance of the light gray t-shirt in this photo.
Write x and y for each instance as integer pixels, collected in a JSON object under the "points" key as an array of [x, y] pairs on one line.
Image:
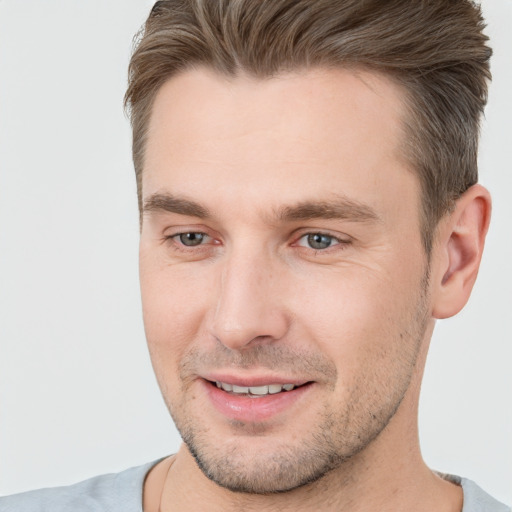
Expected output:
{"points": [[122, 492]]}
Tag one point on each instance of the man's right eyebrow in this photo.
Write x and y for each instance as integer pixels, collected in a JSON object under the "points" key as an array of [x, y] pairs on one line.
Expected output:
{"points": [[172, 204]]}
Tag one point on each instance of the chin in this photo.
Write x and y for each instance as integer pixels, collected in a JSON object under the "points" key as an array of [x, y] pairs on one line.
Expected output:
{"points": [[283, 470]]}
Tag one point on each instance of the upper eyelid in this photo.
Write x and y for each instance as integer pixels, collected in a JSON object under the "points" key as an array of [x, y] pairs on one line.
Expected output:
{"points": [[341, 237], [188, 232], [173, 231], [323, 233], [309, 233], [297, 233]]}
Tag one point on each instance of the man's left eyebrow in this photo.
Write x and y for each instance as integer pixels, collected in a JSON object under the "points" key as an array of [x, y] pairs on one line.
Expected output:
{"points": [[341, 208]]}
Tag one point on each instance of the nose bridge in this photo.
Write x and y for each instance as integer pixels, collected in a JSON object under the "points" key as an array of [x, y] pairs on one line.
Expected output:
{"points": [[249, 306]]}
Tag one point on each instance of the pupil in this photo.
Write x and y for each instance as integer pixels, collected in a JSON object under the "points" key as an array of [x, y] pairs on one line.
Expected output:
{"points": [[191, 239], [319, 241]]}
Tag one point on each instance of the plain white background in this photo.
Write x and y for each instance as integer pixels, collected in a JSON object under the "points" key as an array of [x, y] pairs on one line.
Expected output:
{"points": [[77, 393]]}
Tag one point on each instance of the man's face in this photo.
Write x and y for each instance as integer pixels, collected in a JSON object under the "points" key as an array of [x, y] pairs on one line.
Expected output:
{"points": [[280, 246]]}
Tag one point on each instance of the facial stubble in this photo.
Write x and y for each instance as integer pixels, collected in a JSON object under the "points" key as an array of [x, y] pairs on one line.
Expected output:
{"points": [[339, 434]]}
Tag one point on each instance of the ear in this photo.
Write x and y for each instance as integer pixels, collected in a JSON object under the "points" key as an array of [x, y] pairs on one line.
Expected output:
{"points": [[458, 251]]}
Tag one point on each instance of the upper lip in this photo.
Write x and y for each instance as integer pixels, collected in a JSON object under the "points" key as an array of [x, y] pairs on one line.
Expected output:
{"points": [[253, 380]]}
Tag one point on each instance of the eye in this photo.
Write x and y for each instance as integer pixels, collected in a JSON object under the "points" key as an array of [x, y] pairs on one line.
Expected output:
{"points": [[318, 241], [192, 238]]}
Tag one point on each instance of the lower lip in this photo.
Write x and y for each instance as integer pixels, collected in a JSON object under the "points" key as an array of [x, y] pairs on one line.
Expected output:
{"points": [[247, 409]]}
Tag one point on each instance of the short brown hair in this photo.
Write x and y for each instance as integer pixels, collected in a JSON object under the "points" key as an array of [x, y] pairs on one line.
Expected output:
{"points": [[435, 49]]}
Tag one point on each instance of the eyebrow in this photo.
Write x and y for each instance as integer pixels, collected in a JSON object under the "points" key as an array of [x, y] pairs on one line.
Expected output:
{"points": [[172, 204], [339, 208]]}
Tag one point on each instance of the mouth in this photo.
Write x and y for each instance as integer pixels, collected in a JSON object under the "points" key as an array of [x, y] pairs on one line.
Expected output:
{"points": [[256, 391], [254, 400]]}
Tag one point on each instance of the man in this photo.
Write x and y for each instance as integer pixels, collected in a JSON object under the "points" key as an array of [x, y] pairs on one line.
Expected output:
{"points": [[309, 207]]}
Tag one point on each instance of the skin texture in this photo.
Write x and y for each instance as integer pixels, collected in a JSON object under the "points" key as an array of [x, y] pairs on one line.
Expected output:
{"points": [[255, 167]]}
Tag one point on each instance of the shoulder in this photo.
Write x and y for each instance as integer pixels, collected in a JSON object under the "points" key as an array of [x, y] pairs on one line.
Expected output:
{"points": [[475, 498], [111, 492]]}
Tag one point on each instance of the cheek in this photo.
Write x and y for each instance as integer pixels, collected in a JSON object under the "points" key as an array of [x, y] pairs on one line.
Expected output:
{"points": [[174, 309], [357, 314], [371, 333]]}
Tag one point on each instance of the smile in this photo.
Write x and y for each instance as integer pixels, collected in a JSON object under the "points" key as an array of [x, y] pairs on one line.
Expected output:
{"points": [[258, 402], [255, 391]]}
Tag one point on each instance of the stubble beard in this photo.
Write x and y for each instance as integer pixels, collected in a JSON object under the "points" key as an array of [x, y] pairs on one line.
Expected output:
{"points": [[339, 436]]}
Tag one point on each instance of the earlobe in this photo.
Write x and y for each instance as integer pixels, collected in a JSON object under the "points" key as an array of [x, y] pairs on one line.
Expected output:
{"points": [[459, 250]]}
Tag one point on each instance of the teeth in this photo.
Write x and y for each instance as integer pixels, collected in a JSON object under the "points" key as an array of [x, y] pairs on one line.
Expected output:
{"points": [[226, 387], [275, 388], [271, 389], [240, 389], [259, 390]]}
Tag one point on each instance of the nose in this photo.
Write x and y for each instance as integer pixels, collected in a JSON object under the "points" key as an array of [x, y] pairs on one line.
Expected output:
{"points": [[249, 307]]}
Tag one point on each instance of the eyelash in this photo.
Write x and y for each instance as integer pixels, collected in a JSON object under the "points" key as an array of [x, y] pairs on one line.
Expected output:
{"points": [[335, 242]]}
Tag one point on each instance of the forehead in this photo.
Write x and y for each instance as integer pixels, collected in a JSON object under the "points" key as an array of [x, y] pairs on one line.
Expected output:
{"points": [[277, 139]]}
